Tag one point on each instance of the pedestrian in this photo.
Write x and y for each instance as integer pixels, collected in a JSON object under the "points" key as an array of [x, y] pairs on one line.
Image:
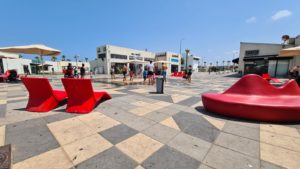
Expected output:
{"points": [[164, 71], [132, 71], [124, 71], [82, 71], [150, 67], [69, 71], [112, 72], [189, 74], [145, 74], [52, 70]]}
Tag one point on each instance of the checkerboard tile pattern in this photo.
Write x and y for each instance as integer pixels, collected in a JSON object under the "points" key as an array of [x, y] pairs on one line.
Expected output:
{"points": [[140, 130]]}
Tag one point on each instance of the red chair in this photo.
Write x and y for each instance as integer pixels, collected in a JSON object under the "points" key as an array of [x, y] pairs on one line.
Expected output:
{"points": [[42, 98], [179, 74], [174, 74], [81, 96], [4, 77], [267, 77], [254, 98]]}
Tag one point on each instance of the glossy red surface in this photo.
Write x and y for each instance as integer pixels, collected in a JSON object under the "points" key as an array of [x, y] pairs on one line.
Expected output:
{"points": [[254, 98], [81, 96], [42, 98]]}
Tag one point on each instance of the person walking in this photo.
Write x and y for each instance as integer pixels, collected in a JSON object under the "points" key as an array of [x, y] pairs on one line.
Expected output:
{"points": [[189, 74], [112, 72], [124, 71], [132, 71], [69, 71], [82, 71], [145, 74], [164, 71], [150, 67]]}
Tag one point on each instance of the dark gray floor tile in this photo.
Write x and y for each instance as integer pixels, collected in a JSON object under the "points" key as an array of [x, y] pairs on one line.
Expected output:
{"points": [[118, 133], [59, 117], [196, 126], [29, 141], [267, 165], [190, 101], [2, 110], [109, 159], [168, 158], [165, 98], [25, 124], [14, 94], [15, 101]]}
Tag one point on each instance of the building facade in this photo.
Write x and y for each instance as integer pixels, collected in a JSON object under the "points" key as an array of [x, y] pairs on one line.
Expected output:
{"points": [[172, 60], [259, 58], [109, 55], [194, 61]]}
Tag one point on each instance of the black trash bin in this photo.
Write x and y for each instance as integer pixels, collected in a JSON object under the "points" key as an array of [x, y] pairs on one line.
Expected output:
{"points": [[159, 84]]}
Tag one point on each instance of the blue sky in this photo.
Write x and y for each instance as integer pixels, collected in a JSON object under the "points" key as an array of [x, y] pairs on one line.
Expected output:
{"points": [[210, 28]]}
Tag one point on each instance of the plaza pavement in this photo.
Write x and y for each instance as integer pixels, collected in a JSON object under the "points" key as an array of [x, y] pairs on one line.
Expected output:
{"points": [[138, 129]]}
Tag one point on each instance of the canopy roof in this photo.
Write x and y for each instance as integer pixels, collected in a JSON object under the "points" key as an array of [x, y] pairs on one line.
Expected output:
{"points": [[295, 51], [32, 49], [9, 55]]}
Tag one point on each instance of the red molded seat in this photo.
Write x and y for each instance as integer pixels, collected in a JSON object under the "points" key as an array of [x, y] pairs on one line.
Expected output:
{"points": [[174, 74], [267, 77], [179, 74], [5, 75], [42, 98], [254, 98], [81, 96]]}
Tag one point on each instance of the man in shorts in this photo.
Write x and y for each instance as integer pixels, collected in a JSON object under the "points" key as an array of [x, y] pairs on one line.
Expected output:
{"points": [[150, 67]]}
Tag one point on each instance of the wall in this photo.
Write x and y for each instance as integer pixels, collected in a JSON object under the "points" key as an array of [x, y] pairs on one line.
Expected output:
{"points": [[16, 64], [264, 49]]}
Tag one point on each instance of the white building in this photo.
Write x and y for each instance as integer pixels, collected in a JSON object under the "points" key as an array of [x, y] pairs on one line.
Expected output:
{"points": [[172, 59], [109, 55], [194, 61]]}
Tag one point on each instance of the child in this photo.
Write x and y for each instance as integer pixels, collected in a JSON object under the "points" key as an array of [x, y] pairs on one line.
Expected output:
{"points": [[145, 73]]}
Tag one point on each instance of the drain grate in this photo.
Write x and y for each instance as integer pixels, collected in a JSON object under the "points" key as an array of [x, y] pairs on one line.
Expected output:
{"points": [[5, 157]]}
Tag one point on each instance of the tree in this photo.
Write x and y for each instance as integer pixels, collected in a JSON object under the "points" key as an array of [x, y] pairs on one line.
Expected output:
{"points": [[53, 58], [86, 59], [63, 57], [20, 56], [182, 61]]}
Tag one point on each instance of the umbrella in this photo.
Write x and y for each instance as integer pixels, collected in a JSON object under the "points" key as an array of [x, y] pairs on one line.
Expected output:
{"points": [[38, 49], [295, 51]]}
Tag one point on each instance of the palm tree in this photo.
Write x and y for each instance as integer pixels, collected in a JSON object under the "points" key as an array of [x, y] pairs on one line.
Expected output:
{"points": [[63, 57], [86, 59], [76, 58], [20, 56], [187, 51], [53, 58]]}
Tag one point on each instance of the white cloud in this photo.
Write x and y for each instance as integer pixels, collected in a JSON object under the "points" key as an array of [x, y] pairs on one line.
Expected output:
{"points": [[281, 14], [251, 20]]}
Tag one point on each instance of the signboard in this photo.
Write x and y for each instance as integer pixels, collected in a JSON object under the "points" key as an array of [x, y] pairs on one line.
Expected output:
{"points": [[174, 60]]}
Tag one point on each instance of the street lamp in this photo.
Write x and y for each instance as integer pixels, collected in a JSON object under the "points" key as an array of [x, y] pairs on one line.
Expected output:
{"points": [[180, 45]]}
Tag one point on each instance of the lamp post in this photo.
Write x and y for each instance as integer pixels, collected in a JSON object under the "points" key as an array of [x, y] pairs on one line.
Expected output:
{"points": [[180, 45], [187, 51]]}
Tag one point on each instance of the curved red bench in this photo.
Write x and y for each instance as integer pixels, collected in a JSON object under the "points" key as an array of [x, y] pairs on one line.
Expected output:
{"points": [[81, 96], [42, 98], [254, 98], [4, 77]]}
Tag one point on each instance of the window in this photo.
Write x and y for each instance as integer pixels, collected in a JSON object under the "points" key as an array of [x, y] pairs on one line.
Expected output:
{"points": [[116, 56], [102, 56], [149, 59], [98, 50], [249, 53], [175, 56]]}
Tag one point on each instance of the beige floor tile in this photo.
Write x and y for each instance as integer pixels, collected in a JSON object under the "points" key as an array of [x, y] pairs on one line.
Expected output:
{"points": [[139, 91], [86, 148], [3, 101], [98, 121], [170, 123], [2, 135], [67, 135], [280, 140], [54, 159], [199, 104], [279, 129], [65, 124], [280, 156], [215, 122], [177, 98], [139, 147], [17, 98], [163, 104], [140, 111], [109, 91], [140, 103], [3, 93]]}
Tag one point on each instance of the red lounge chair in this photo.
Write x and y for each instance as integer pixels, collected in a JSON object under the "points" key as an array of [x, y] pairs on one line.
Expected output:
{"points": [[254, 98], [81, 96], [42, 98], [174, 74], [4, 77], [268, 78]]}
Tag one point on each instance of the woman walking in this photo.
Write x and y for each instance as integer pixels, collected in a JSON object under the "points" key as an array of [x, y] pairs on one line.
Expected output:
{"points": [[124, 71]]}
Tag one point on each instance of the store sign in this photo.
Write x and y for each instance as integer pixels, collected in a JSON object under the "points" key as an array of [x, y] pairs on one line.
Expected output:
{"points": [[174, 60]]}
